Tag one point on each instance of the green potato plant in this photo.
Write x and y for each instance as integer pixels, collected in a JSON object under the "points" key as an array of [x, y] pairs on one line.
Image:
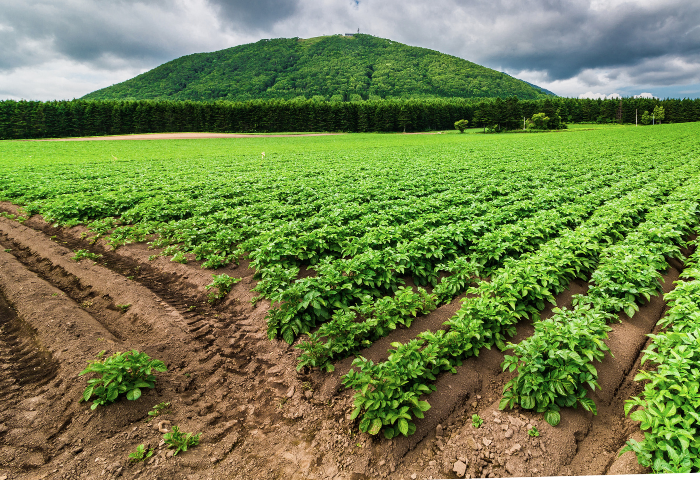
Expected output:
{"points": [[180, 441], [140, 454], [126, 372], [80, 254], [223, 284]]}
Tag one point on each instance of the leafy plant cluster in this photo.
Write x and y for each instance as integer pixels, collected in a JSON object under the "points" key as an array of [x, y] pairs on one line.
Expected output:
{"points": [[158, 410], [668, 406], [180, 441], [461, 249], [519, 289], [223, 284], [126, 372], [555, 365], [346, 332], [344, 335], [141, 454], [176, 439], [80, 254]]}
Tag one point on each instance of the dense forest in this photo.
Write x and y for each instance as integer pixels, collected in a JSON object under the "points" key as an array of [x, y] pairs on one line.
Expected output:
{"points": [[343, 68], [30, 119]]}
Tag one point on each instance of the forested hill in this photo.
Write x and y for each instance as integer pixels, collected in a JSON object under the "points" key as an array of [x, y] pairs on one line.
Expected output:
{"points": [[343, 68]]}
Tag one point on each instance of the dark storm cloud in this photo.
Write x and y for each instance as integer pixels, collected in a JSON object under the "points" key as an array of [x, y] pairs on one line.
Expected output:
{"points": [[567, 37], [255, 14]]}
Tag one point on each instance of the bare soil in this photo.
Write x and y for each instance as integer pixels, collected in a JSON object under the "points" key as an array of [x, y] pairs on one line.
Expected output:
{"points": [[259, 418], [179, 136]]}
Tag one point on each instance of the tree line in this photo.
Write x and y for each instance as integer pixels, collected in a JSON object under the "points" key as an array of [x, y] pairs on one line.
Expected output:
{"points": [[71, 118]]}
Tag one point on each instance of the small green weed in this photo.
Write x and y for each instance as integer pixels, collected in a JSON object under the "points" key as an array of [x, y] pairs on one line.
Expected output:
{"points": [[477, 421], [170, 250], [179, 257], [140, 454], [179, 440], [126, 372], [80, 254], [533, 432], [159, 409], [124, 307], [223, 283]]}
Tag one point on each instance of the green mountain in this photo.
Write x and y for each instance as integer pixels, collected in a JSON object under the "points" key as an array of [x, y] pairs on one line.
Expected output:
{"points": [[336, 67]]}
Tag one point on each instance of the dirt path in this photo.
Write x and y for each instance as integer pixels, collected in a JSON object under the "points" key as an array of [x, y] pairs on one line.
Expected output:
{"points": [[177, 136], [259, 418]]}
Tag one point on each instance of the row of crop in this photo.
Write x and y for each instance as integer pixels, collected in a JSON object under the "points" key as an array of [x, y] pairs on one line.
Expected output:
{"points": [[669, 407], [389, 251], [342, 283], [555, 365], [344, 334], [390, 390]]}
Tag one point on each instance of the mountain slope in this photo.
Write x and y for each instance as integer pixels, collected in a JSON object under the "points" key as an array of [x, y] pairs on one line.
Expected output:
{"points": [[347, 67]]}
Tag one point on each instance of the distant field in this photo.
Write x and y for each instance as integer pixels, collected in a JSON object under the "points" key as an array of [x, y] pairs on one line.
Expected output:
{"points": [[358, 234]]}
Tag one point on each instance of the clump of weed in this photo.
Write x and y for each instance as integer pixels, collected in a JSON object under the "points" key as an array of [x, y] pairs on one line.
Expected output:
{"points": [[477, 421], [80, 254], [180, 441], [140, 454], [159, 409], [223, 284], [179, 257]]}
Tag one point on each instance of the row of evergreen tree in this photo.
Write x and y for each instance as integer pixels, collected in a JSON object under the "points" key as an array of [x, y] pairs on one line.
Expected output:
{"points": [[33, 119]]}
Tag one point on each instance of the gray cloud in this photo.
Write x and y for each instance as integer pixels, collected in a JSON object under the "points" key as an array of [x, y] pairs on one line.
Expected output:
{"points": [[101, 33], [566, 37], [256, 14]]}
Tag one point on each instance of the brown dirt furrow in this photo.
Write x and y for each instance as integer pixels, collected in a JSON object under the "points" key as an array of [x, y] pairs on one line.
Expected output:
{"points": [[51, 332], [240, 390], [177, 136], [582, 444], [24, 362], [599, 451], [88, 283], [329, 384]]}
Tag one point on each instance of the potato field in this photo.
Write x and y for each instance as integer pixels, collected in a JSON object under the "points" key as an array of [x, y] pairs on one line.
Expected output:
{"points": [[352, 306]]}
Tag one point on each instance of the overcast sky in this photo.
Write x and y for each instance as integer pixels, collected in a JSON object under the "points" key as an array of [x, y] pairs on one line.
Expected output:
{"points": [[51, 49]]}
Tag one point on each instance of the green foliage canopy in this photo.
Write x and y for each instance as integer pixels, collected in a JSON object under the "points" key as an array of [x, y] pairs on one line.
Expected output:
{"points": [[340, 68]]}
